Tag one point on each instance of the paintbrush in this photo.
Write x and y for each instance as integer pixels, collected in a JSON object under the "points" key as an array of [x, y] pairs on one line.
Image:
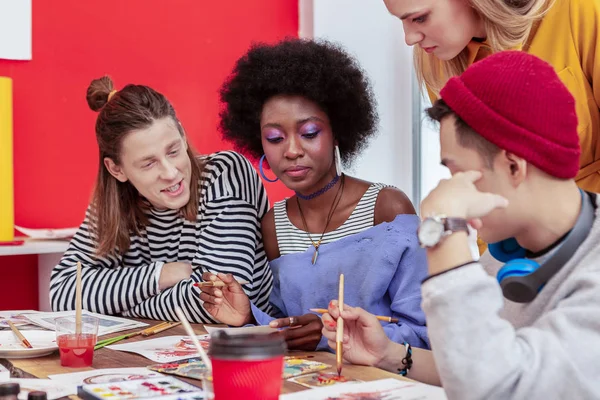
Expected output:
{"points": [[19, 335], [145, 332], [339, 339], [78, 301], [379, 317], [192, 335], [216, 283]]}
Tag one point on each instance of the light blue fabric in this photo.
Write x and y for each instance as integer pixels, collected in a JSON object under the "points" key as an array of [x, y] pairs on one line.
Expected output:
{"points": [[383, 267]]}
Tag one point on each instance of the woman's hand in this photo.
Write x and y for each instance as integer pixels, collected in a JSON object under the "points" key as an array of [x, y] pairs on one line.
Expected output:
{"points": [[365, 341], [228, 304], [303, 333]]}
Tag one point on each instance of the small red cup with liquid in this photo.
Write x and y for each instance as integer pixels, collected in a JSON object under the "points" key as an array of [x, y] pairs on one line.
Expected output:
{"points": [[76, 349], [247, 365]]}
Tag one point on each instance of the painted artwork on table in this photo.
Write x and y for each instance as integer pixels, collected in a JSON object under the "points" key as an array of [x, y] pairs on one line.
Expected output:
{"points": [[18, 318], [322, 379], [106, 323], [194, 367], [383, 389], [165, 349], [107, 375], [299, 366]]}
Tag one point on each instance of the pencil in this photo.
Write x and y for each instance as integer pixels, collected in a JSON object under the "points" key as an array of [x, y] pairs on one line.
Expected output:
{"points": [[78, 300], [216, 283], [192, 335], [379, 317], [339, 339], [161, 327], [19, 335]]}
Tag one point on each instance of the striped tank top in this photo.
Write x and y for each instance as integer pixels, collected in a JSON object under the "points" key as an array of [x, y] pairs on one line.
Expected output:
{"points": [[293, 240]]}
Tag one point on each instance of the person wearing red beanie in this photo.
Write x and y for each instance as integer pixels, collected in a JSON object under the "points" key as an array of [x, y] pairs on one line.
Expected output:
{"points": [[523, 322]]}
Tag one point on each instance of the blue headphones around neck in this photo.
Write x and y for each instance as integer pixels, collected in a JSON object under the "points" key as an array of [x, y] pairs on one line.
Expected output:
{"points": [[520, 278]]}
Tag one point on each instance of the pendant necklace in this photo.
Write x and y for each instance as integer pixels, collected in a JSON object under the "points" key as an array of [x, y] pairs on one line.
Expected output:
{"points": [[336, 201]]}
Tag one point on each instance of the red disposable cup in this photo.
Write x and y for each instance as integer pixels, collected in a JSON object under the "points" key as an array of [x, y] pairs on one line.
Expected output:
{"points": [[249, 365]]}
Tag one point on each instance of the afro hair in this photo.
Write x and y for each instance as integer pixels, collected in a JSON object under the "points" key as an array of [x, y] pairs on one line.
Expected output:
{"points": [[319, 71]]}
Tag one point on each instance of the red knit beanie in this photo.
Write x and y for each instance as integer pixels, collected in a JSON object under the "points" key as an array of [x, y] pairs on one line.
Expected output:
{"points": [[516, 101]]}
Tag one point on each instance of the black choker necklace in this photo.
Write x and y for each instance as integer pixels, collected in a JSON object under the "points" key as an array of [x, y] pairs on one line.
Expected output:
{"points": [[321, 191]]}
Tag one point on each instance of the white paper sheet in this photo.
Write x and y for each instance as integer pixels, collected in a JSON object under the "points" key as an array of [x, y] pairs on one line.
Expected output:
{"points": [[104, 376], [15, 29], [54, 390], [107, 324], [18, 318], [383, 389], [62, 233], [165, 349]]}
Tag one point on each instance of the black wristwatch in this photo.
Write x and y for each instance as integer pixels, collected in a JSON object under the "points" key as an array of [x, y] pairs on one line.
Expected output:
{"points": [[433, 229]]}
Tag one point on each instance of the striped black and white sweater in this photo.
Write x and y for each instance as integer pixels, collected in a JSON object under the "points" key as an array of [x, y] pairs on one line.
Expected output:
{"points": [[225, 238]]}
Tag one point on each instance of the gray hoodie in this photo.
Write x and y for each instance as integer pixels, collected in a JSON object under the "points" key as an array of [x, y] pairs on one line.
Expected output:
{"points": [[487, 347]]}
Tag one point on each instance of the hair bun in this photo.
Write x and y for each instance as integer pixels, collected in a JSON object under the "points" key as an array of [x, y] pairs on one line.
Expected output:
{"points": [[98, 92]]}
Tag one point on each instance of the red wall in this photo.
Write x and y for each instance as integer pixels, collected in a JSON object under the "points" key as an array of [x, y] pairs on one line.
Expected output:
{"points": [[183, 48]]}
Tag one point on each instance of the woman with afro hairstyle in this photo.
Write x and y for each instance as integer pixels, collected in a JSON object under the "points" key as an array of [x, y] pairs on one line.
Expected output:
{"points": [[303, 108]]}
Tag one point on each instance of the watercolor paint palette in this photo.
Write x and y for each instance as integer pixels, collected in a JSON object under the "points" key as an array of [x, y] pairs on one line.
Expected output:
{"points": [[166, 388]]}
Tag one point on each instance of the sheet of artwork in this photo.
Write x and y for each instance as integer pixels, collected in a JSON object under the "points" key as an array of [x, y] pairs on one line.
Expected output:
{"points": [[107, 375], [18, 318], [299, 366], [191, 368], [54, 390], [194, 367], [106, 324], [383, 389], [165, 349], [322, 379]]}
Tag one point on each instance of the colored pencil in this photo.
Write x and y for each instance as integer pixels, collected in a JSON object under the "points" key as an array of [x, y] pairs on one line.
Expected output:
{"points": [[19, 335], [379, 317], [192, 335], [161, 327], [216, 283], [339, 339]]}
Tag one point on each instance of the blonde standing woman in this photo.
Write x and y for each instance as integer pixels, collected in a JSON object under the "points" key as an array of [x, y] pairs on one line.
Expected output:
{"points": [[450, 35]]}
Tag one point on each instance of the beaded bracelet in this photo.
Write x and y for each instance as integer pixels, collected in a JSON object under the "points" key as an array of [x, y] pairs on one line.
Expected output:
{"points": [[407, 360]]}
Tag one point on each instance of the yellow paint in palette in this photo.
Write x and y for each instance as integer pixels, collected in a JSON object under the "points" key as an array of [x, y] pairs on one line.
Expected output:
{"points": [[7, 215]]}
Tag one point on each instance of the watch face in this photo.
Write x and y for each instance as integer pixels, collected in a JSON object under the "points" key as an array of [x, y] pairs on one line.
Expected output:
{"points": [[430, 232]]}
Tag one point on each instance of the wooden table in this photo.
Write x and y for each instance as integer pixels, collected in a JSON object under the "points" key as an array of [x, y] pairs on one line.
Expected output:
{"points": [[106, 358]]}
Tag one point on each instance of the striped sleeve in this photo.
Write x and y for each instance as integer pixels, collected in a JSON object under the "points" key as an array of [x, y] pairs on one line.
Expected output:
{"points": [[230, 241], [226, 237], [107, 288]]}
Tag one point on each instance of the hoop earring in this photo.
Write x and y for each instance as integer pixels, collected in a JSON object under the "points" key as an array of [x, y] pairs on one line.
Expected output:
{"points": [[262, 173], [338, 160]]}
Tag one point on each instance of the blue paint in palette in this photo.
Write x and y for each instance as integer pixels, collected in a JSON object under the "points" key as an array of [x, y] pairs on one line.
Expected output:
{"points": [[166, 388]]}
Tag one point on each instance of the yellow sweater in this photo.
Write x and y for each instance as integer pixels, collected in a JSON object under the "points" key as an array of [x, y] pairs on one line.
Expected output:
{"points": [[568, 38]]}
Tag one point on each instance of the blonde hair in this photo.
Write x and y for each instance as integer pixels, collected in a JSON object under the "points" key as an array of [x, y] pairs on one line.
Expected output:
{"points": [[507, 24]]}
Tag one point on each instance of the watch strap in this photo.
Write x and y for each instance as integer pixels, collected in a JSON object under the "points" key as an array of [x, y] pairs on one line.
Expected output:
{"points": [[456, 225]]}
